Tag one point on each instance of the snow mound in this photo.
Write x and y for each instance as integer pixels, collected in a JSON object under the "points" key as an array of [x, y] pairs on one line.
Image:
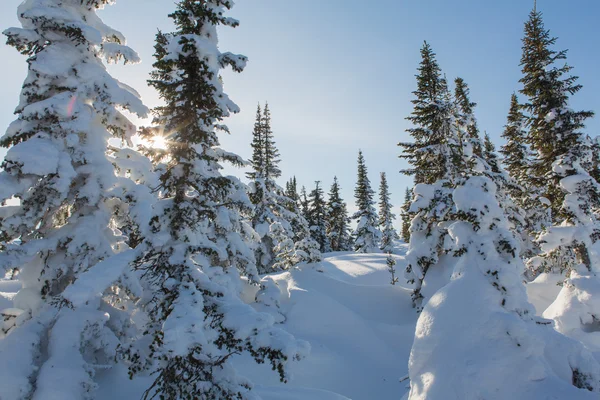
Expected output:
{"points": [[543, 291], [576, 310]]}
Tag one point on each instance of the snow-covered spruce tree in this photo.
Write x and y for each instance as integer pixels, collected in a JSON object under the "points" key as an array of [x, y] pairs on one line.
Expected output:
{"points": [[192, 261], [516, 160], [303, 203], [489, 154], [466, 116], [366, 235], [472, 354], [59, 167], [576, 310], [406, 217], [570, 245], [284, 247], [432, 120], [306, 249], [485, 160], [317, 217], [595, 171], [386, 217], [257, 161], [436, 210], [338, 231], [552, 124], [271, 153], [440, 159], [291, 190], [516, 155], [271, 205]]}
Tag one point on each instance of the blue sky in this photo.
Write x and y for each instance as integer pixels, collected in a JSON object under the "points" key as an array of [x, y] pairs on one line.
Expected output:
{"points": [[338, 74]]}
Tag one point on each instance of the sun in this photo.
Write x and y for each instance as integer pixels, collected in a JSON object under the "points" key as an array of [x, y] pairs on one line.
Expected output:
{"points": [[159, 142]]}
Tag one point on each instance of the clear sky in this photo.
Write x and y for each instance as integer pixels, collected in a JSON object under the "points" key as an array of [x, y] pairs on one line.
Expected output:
{"points": [[338, 74]]}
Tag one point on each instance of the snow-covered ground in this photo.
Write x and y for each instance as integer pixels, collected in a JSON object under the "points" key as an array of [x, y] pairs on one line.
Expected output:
{"points": [[360, 329]]}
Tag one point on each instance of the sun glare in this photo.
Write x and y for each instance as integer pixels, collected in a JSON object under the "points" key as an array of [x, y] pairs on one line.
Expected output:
{"points": [[159, 142]]}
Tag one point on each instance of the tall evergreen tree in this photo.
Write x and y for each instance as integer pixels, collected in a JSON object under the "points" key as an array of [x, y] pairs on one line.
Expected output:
{"points": [[553, 126], [199, 248], [406, 216], [466, 115], [366, 235], [289, 242], [490, 155], [386, 217], [508, 192], [257, 144], [442, 156], [595, 170], [271, 154], [433, 205], [338, 231], [516, 155], [291, 190], [317, 217], [271, 205], [485, 161], [432, 120], [63, 236], [304, 204]]}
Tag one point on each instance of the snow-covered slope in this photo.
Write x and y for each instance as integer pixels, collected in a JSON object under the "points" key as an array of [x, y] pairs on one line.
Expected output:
{"points": [[359, 326], [360, 329]]}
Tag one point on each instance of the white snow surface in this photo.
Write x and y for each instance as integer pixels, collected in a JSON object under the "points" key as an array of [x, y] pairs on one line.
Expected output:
{"points": [[359, 326], [360, 329]]}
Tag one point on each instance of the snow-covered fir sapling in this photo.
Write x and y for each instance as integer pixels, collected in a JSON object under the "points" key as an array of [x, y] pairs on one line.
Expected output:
{"points": [[391, 263], [199, 252], [366, 235], [472, 354], [284, 247], [63, 236], [386, 217]]}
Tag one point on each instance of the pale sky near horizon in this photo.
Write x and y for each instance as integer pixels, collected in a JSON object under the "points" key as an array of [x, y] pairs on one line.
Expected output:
{"points": [[338, 74]]}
